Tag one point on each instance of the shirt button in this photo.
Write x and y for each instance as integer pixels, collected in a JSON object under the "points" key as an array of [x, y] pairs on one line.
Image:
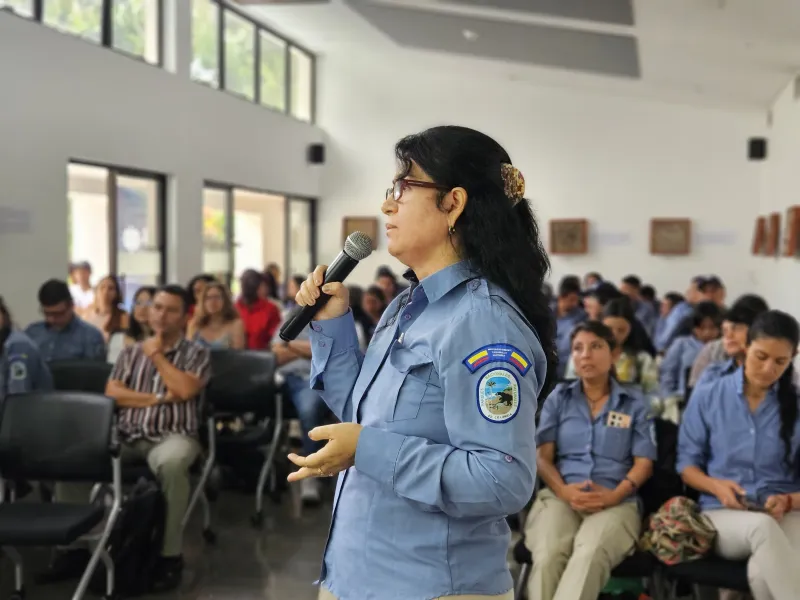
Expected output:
{"points": [[322, 344], [315, 327], [408, 317], [509, 458], [752, 431], [475, 285]]}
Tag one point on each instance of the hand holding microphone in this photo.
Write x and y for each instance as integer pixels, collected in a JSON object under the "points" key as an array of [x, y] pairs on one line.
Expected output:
{"points": [[322, 296]]}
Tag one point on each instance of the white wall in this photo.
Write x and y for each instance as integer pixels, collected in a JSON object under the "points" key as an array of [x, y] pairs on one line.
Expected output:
{"points": [[62, 98], [615, 161], [779, 277]]}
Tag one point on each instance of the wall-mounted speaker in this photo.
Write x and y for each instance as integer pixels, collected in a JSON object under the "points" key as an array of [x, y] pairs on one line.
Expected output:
{"points": [[316, 154], [757, 148]]}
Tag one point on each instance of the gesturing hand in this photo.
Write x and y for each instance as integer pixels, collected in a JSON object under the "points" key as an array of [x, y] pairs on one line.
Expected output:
{"points": [[337, 455], [777, 506], [152, 346], [313, 287], [728, 493]]}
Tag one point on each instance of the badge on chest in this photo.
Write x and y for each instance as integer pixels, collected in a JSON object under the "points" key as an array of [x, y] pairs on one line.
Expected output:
{"points": [[618, 420]]}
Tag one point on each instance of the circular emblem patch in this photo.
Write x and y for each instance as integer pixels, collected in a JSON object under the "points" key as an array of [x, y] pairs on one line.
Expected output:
{"points": [[498, 396], [18, 370]]}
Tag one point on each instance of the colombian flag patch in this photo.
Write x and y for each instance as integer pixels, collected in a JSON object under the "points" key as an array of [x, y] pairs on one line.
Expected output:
{"points": [[495, 353]]}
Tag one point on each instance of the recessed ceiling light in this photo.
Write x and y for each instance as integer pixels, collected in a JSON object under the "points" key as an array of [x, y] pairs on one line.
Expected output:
{"points": [[469, 35]]}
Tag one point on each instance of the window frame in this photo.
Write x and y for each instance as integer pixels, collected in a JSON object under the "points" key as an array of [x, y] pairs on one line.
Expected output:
{"points": [[107, 29], [229, 189], [114, 172]]}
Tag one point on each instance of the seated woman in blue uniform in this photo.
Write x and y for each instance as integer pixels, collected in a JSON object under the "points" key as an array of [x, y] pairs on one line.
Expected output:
{"points": [[22, 368], [738, 446], [436, 444], [595, 449]]}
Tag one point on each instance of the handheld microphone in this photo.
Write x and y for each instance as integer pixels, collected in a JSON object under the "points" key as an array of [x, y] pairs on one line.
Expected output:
{"points": [[357, 247]]}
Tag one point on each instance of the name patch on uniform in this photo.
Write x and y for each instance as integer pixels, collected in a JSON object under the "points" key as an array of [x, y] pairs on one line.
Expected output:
{"points": [[17, 370], [498, 396], [494, 353], [617, 419]]}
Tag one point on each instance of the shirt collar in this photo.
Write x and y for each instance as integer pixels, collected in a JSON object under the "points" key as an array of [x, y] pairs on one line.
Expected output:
{"points": [[738, 377], [615, 392], [443, 281]]}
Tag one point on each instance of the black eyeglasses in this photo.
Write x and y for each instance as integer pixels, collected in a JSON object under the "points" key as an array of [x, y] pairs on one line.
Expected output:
{"points": [[401, 185]]}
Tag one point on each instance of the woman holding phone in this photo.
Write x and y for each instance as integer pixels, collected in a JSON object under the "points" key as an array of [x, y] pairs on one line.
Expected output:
{"points": [[738, 446]]}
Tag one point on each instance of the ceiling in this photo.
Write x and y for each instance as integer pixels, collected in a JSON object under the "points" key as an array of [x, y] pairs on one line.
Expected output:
{"points": [[736, 54]]}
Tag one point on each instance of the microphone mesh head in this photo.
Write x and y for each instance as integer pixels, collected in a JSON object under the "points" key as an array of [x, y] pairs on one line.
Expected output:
{"points": [[358, 245]]}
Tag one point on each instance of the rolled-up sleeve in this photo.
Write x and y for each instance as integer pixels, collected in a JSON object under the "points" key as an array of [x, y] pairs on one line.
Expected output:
{"points": [[489, 466], [335, 362], [693, 433], [547, 431]]}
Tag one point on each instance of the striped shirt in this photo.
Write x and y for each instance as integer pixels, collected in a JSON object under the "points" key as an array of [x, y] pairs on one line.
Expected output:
{"points": [[138, 373]]}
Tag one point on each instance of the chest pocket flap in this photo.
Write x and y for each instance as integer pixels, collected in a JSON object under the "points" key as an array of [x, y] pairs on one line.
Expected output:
{"points": [[413, 374]]}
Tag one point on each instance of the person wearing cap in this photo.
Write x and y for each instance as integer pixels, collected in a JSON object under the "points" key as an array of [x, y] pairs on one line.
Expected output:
{"points": [[80, 274]]}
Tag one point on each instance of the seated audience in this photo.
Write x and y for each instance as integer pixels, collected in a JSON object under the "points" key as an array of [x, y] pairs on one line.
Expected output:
{"points": [[216, 323], [670, 301], [568, 314], [194, 290], [80, 274], [273, 271], [725, 354], [680, 357], [373, 304], [138, 324], [591, 280], [595, 449], [648, 293], [294, 364], [387, 281], [634, 355], [644, 311], [260, 317], [22, 368], [63, 335], [738, 446], [679, 313], [292, 287], [106, 313], [595, 300]]}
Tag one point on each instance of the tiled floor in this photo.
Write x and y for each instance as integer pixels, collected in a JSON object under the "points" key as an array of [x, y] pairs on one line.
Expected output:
{"points": [[279, 562]]}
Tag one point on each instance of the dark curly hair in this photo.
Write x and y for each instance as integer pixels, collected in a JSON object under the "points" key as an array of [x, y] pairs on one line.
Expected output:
{"points": [[499, 239]]}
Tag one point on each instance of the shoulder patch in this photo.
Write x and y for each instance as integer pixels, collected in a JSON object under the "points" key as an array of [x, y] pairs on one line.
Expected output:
{"points": [[498, 396], [17, 370], [493, 353]]}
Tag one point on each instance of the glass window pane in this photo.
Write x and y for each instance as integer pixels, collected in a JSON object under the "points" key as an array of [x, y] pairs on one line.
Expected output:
{"points": [[300, 259], [302, 85], [259, 234], [78, 17], [138, 233], [240, 55], [216, 246], [273, 71], [205, 42], [136, 28], [23, 8], [88, 230]]}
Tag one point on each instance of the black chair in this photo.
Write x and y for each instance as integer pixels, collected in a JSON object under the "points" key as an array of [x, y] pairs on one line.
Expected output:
{"points": [[242, 383], [80, 375], [64, 436]]}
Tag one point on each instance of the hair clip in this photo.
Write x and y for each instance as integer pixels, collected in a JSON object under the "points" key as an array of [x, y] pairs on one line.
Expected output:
{"points": [[513, 182]]}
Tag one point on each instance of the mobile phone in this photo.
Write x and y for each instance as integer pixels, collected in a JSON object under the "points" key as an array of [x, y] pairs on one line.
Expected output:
{"points": [[750, 503]]}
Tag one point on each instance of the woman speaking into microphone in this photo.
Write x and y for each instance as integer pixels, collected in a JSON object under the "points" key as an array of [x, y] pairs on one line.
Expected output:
{"points": [[436, 444]]}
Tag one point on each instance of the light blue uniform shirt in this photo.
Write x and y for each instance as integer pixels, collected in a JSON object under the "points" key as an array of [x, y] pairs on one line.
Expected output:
{"points": [[722, 437], [676, 365], [599, 449], [672, 322], [77, 341], [22, 369], [447, 449], [647, 315], [564, 327], [715, 371]]}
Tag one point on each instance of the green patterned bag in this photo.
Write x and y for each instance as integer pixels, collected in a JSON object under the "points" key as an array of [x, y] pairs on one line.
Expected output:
{"points": [[678, 532]]}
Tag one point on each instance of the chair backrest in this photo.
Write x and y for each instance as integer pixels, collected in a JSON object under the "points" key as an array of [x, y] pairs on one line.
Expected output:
{"points": [[242, 381], [665, 482], [61, 436], [80, 375]]}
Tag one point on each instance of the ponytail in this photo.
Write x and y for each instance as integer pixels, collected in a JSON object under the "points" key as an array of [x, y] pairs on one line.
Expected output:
{"points": [[787, 402]]}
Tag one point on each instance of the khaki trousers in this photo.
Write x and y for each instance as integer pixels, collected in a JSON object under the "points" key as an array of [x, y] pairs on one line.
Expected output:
{"points": [[170, 461], [326, 595], [574, 553]]}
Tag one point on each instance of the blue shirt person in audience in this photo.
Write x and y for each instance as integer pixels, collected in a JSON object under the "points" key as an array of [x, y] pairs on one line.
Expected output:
{"points": [[738, 446], [595, 449], [677, 315], [436, 443], [569, 313], [680, 357], [668, 302], [735, 327], [63, 335], [645, 311], [22, 369]]}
